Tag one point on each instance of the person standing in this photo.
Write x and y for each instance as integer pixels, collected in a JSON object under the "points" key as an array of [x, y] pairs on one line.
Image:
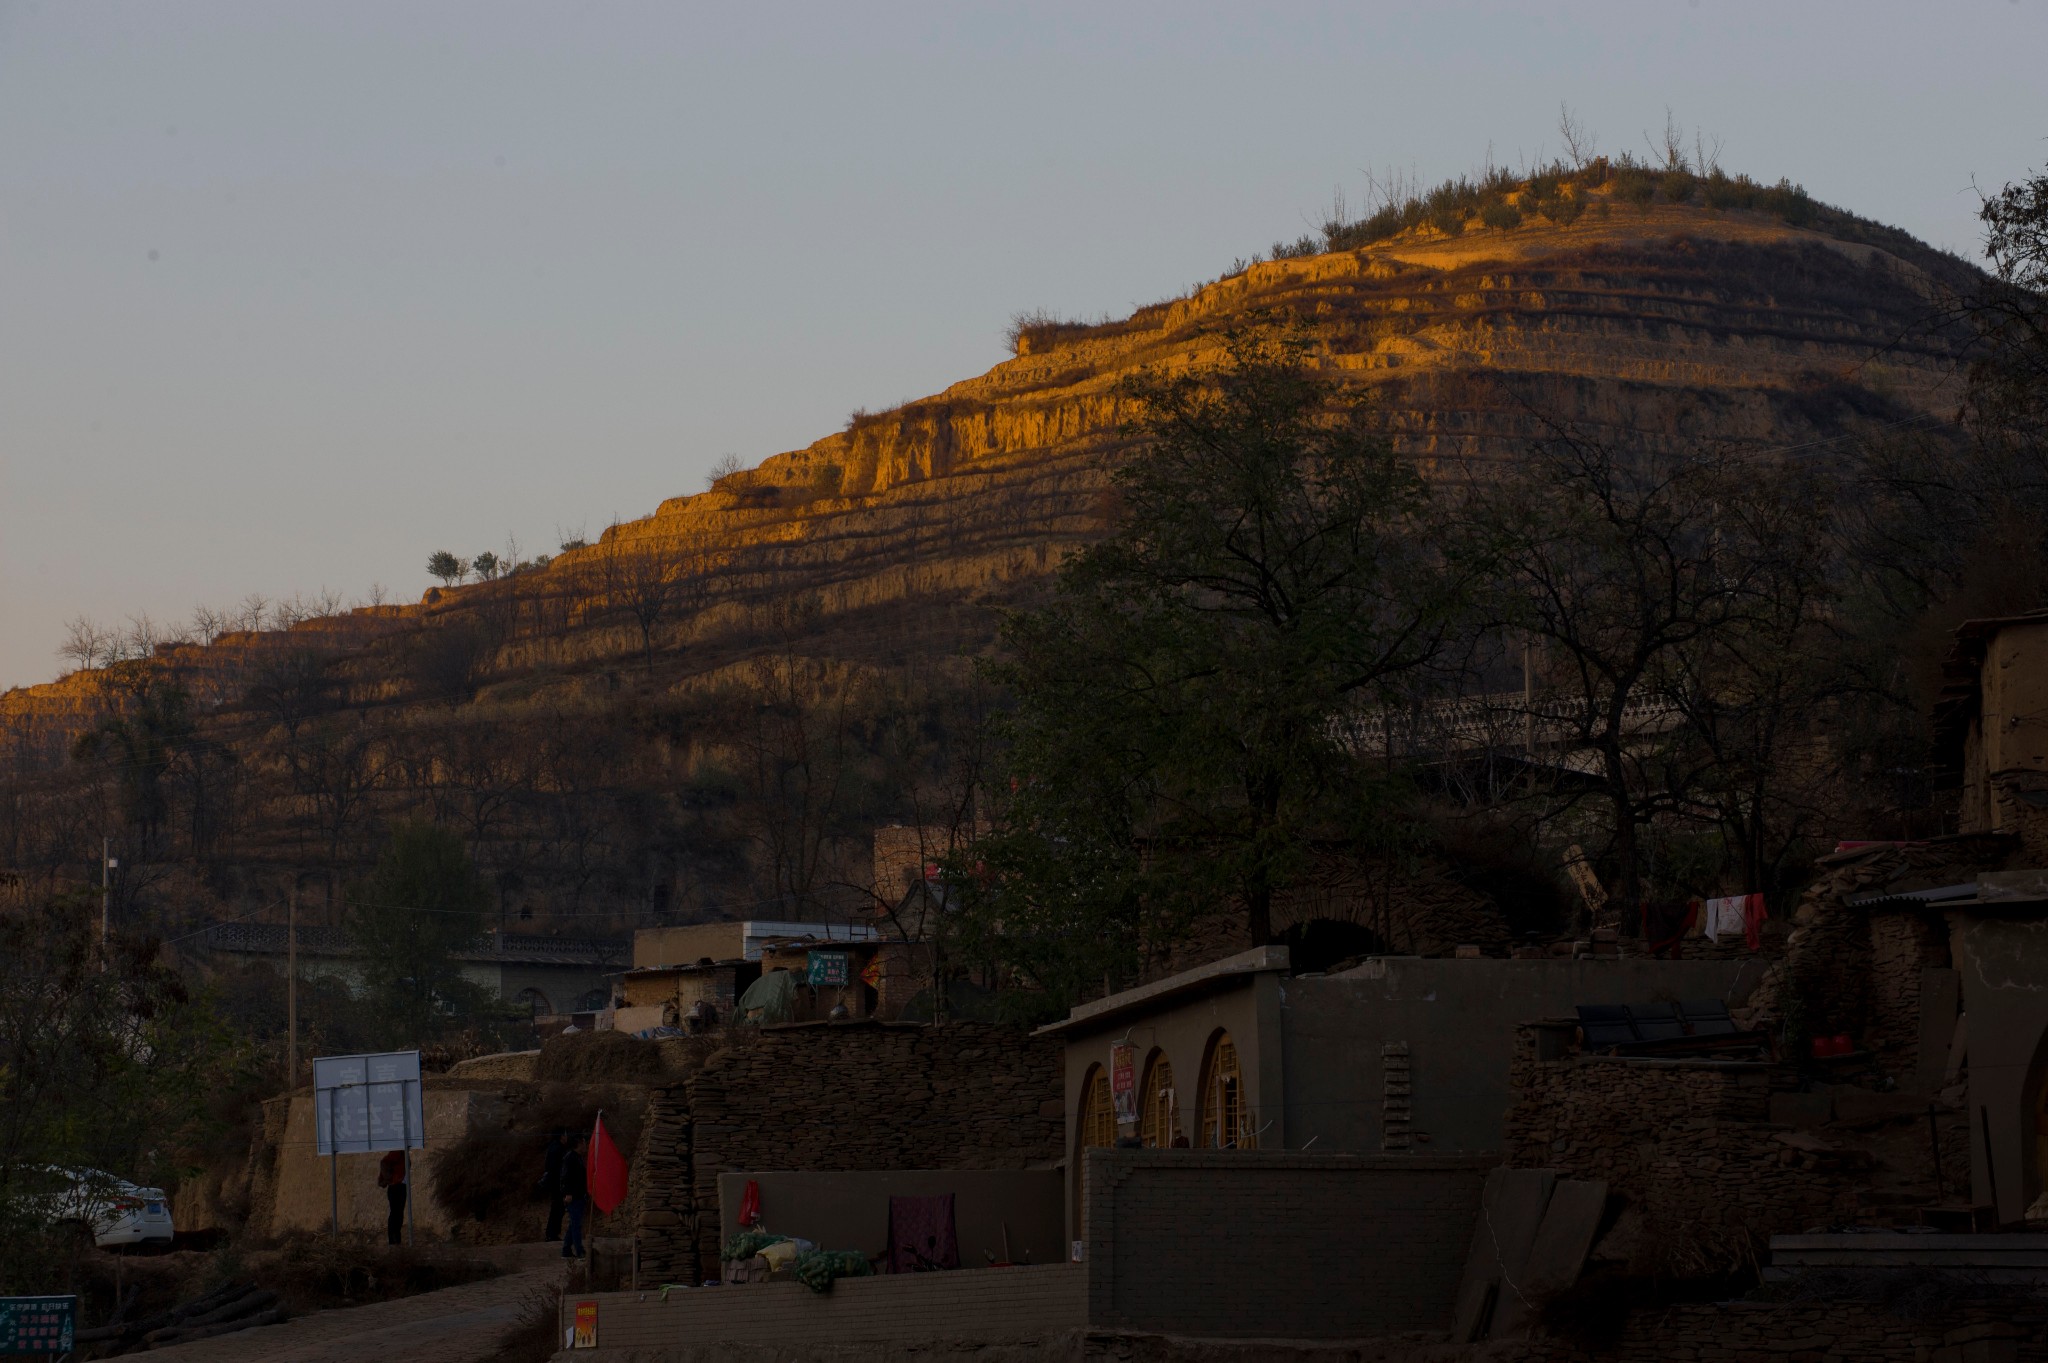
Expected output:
{"points": [[575, 1196], [391, 1178], [551, 1180]]}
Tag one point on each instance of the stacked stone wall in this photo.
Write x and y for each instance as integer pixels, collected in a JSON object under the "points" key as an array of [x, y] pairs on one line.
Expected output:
{"points": [[1858, 970], [840, 1096], [1687, 1143]]}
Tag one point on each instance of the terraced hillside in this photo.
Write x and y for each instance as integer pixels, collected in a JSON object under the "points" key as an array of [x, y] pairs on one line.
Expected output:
{"points": [[614, 729]]}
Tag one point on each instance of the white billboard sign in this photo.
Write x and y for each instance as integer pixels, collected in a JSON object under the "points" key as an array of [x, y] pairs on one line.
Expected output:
{"points": [[364, 1104]]}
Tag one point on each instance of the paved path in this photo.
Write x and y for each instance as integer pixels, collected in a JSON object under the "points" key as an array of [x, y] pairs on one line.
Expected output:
{"points": [[454, 1325]]}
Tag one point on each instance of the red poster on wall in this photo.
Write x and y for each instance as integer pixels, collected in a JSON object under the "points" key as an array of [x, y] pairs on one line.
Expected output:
{"points": [[583, 1335], [1123, 1082]]}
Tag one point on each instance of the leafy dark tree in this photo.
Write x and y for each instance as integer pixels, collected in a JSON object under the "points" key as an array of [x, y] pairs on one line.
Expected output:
{"points": [[421, 904], [138, 745], [106, 1062], [1178, 743], [486, 565], [446, 566]]}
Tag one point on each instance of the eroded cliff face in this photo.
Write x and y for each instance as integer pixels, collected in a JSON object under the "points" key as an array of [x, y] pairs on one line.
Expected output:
{"points": [[1672, 324]]}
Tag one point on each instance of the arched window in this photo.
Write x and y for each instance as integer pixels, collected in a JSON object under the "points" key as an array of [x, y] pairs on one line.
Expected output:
{"points": [[1098, 1112], [534, 1002], [1226, 1117], [1158, 1113]]}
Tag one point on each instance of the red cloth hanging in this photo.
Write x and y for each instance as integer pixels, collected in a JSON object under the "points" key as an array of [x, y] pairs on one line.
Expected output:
{"points": [[1753, 915], [606, 1170], [750, 1204]]}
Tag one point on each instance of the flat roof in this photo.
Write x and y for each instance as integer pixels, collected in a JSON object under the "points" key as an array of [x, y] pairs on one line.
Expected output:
{"points": [[1991, 889], [1202, 978]]}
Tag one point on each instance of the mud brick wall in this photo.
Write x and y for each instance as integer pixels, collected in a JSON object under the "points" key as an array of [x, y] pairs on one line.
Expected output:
{"points": [[1687, 1142], [841, 1096]]}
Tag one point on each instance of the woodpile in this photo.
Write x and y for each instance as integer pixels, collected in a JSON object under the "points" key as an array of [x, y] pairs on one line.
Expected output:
{"points": [[226, 1309]]}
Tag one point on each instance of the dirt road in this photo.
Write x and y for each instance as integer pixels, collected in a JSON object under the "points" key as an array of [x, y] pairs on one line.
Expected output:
{"points": [[454, 1325]]}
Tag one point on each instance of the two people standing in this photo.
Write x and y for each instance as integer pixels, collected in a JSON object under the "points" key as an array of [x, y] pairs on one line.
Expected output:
{"points": [[565, 1183]]}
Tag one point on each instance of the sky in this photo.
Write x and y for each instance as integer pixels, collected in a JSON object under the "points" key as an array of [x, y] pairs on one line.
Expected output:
{"points": [[293, 294]]}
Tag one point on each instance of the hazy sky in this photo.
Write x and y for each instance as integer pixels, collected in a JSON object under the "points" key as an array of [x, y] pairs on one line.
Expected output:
{"points": [[292, 294]]}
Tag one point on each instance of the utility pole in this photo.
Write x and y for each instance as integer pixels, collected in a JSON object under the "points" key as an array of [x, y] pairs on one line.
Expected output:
{"points": [[291, 989], [1529, 697], [107, 864]]}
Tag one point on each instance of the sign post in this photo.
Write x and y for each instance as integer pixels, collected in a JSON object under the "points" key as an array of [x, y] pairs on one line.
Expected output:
{"points": [[372, 1103]]}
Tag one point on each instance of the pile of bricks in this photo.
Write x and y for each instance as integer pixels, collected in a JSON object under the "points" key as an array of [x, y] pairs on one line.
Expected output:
{"points": [[1688, 1142], [840, 1096]]}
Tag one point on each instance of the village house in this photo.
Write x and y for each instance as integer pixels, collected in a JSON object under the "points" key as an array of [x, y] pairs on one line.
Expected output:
{"points": [[1398, 1055], [549, 976]]}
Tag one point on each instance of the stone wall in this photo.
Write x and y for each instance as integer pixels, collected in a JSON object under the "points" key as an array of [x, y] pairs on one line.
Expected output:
{"points": [[1687, 1143], [1861, 970], [837, 1097]]}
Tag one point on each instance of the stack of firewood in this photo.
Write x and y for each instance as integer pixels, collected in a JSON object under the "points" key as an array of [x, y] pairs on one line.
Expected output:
{"points": [[235, 1306]]}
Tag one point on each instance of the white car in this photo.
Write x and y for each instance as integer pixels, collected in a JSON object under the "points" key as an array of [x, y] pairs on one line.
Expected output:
{"points": [[119, 1213]]}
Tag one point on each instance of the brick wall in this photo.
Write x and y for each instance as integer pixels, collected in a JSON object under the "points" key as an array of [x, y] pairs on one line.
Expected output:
{"points": [[1279, 1245], [1688, 1143], [836, 1097]]}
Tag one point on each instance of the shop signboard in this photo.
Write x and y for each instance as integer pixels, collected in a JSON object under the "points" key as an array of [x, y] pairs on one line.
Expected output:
{"points": [[1123, 1082], [30, 1326], [830, 968]]}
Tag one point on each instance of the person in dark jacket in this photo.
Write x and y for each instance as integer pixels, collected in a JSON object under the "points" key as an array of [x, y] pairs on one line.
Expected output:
{"points": [[391, 1178], [551, 1180], [575, 1196]]}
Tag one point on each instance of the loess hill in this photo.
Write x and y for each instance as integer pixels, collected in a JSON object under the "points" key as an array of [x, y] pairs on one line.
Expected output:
{"points": [[841, 587]]}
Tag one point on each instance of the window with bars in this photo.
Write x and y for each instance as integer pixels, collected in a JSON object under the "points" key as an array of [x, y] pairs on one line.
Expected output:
{"points": [[1226, 1117], [1098, 1110], [1158, 1114]]}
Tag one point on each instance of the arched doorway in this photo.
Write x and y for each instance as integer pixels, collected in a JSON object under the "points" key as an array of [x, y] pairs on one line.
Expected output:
{"points": [[1226, 1116], [1096, 1127], [1158, 1108]]}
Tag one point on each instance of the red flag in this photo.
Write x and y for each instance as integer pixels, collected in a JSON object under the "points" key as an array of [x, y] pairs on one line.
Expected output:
{"points": [[606, 1169]]}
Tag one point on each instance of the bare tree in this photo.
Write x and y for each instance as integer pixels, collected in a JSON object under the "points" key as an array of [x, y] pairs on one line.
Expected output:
{"points": [[1580, 143], [88, 644], [1652, 585], [802, 750], [649, 587]]}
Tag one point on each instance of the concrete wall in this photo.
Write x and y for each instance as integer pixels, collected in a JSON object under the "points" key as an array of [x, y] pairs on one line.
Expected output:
{"points": [[851, 1210], [302, 1174], [687, 945], [2004, 965], [996, 1305], [1289, 1246], [1457, 1019]]}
